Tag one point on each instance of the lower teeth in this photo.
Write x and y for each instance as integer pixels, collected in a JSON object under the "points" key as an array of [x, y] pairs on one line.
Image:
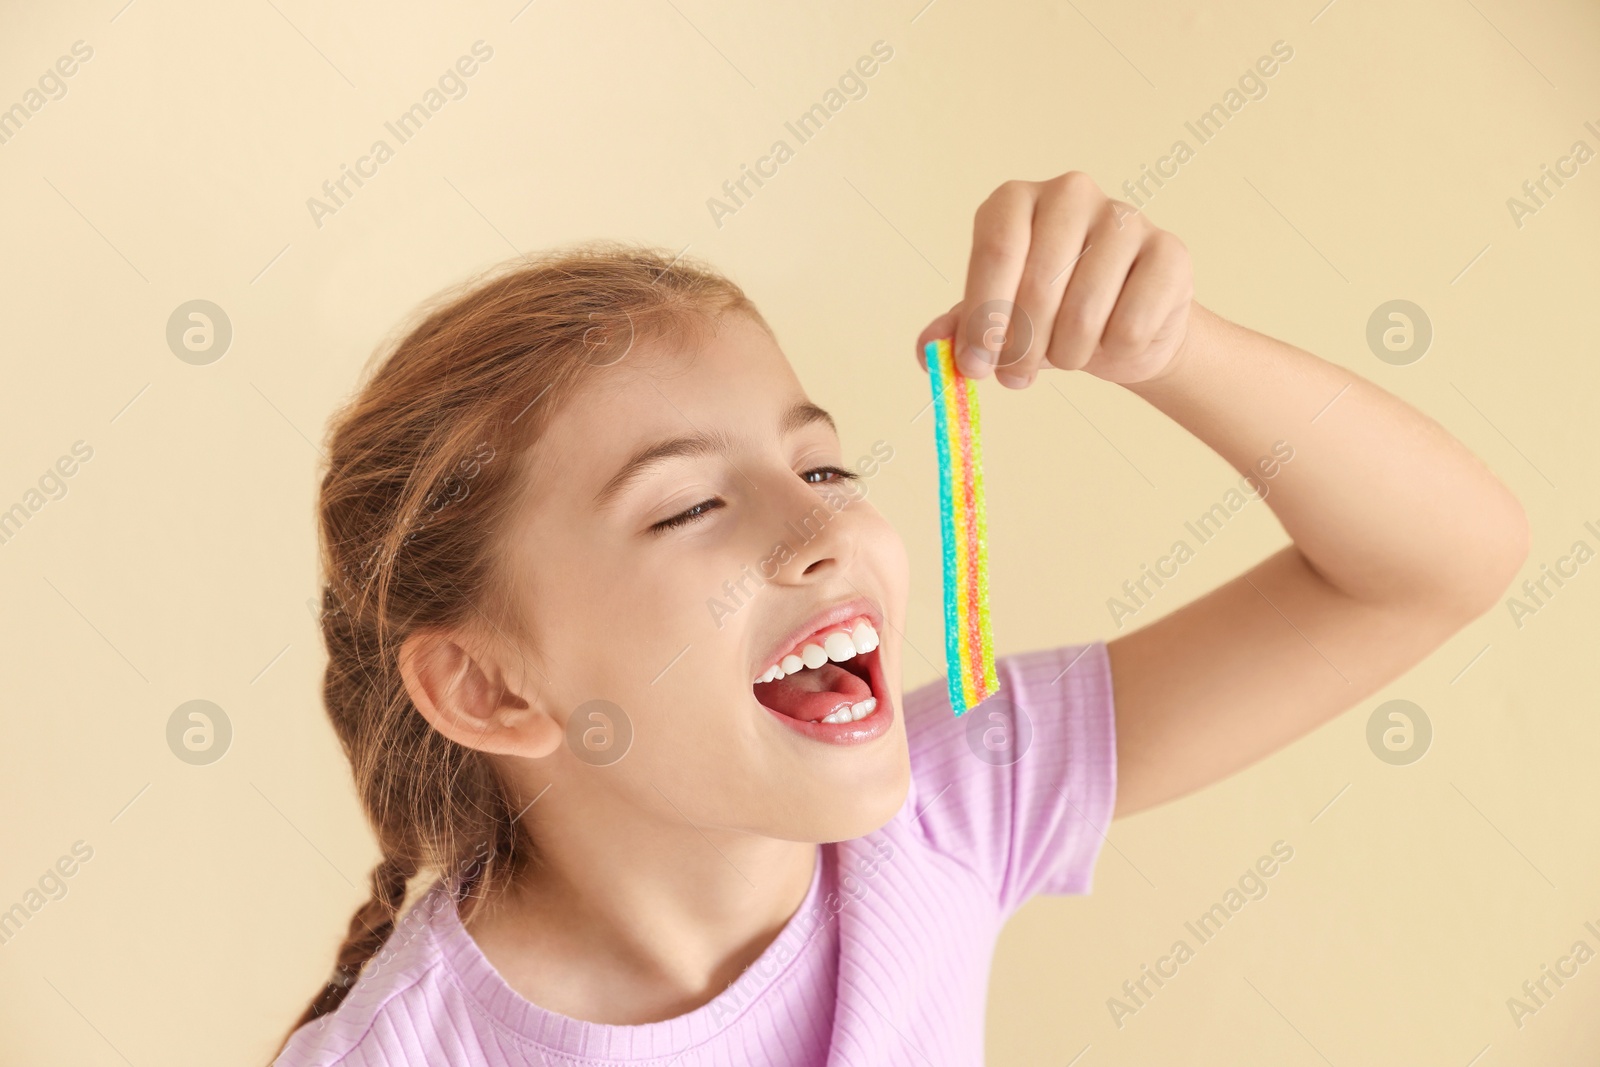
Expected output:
{"points": [[854, 712]]}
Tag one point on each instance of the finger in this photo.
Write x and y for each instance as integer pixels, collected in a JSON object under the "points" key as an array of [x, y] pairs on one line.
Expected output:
{"points": [[1157, 283], [1097, 280], [1060, 225], [1001, 232], [943, 326]]}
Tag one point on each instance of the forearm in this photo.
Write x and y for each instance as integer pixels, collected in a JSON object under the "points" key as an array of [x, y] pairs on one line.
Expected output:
{"points": [[1384, 504]]}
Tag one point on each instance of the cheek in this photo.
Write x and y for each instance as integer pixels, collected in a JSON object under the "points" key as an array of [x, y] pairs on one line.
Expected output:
{"points": [[658, 631], [886, 549]]}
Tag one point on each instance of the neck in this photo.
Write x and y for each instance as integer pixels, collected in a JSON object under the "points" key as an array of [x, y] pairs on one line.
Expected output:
{"points": [[642, 921]]}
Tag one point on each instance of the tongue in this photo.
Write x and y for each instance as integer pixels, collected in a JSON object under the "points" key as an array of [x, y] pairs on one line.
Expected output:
{"points": [[813, 694]]}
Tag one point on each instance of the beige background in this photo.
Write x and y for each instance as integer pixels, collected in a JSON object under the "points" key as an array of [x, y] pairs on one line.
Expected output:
{"points": [[179, 563]]}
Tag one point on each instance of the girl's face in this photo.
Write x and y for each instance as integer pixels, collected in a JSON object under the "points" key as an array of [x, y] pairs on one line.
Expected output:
{"points": [[689, 527]]}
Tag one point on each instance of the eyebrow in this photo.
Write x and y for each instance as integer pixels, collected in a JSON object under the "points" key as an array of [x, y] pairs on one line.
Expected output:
{"points": [[801, 415]]}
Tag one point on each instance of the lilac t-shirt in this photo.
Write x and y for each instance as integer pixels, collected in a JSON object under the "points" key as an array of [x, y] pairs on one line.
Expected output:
{"points": [[886, 961]]}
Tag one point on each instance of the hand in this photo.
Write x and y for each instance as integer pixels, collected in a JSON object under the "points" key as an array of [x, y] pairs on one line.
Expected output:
{"points": [[1062, 275]]}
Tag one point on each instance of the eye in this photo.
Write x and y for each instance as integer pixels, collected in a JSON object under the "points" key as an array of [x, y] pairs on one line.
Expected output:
{"points": [[686, 517], [815, 476], [835, 472]]}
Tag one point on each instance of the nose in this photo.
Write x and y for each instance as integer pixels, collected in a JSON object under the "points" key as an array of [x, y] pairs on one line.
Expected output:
{"points": [[816, 533]]}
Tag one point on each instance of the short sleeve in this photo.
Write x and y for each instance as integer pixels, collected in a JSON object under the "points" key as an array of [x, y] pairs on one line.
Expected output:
{"points": [[1020, 789]]}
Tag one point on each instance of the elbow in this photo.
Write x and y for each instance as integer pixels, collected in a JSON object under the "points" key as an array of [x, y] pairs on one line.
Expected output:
{"points": [[1501, 548]]}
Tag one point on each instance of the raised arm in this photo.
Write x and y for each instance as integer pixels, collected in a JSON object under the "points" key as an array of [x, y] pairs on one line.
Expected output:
{"points": [[1400, 535], [1400, 538]]}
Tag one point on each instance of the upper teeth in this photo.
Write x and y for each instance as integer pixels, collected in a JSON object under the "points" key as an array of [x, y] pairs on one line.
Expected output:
{"points": [[837, 645]]}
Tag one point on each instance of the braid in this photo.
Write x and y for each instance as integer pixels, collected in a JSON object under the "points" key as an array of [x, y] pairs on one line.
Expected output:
{"points": [[370, 926]]}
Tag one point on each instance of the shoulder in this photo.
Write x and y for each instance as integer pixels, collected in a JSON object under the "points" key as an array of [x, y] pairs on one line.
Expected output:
{"points": [[375, 1024], [1063, 689], [1020, 788]]}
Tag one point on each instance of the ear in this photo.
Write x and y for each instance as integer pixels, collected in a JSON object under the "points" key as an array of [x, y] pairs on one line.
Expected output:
{"points": [[463, 691]]}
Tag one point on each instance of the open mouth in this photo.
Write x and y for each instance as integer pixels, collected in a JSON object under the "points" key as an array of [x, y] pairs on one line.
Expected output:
{"points": [[830, 686]]}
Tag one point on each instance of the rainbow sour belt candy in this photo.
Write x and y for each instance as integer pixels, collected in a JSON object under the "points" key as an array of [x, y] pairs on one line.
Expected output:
{"points": [[968, 642]]}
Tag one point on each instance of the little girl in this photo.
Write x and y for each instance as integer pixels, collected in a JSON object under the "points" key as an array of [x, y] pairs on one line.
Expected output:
{"points": [[615, 652]]}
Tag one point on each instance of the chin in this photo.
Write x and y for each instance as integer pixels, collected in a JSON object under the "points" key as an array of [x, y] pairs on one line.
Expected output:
{"points": [[862, 807], [881, 806]]}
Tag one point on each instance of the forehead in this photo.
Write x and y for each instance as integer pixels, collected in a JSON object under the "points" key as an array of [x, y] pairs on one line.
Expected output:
{"points": [[727, 376]]}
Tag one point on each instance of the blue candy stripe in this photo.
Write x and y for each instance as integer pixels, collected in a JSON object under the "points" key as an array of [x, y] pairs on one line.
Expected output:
{"points": [[947, 529]]}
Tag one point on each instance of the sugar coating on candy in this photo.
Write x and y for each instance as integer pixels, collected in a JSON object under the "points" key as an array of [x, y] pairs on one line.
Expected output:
{"points": [[960, 508], [939, 371], [989, 681], [969, 641], [966, 537]]}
